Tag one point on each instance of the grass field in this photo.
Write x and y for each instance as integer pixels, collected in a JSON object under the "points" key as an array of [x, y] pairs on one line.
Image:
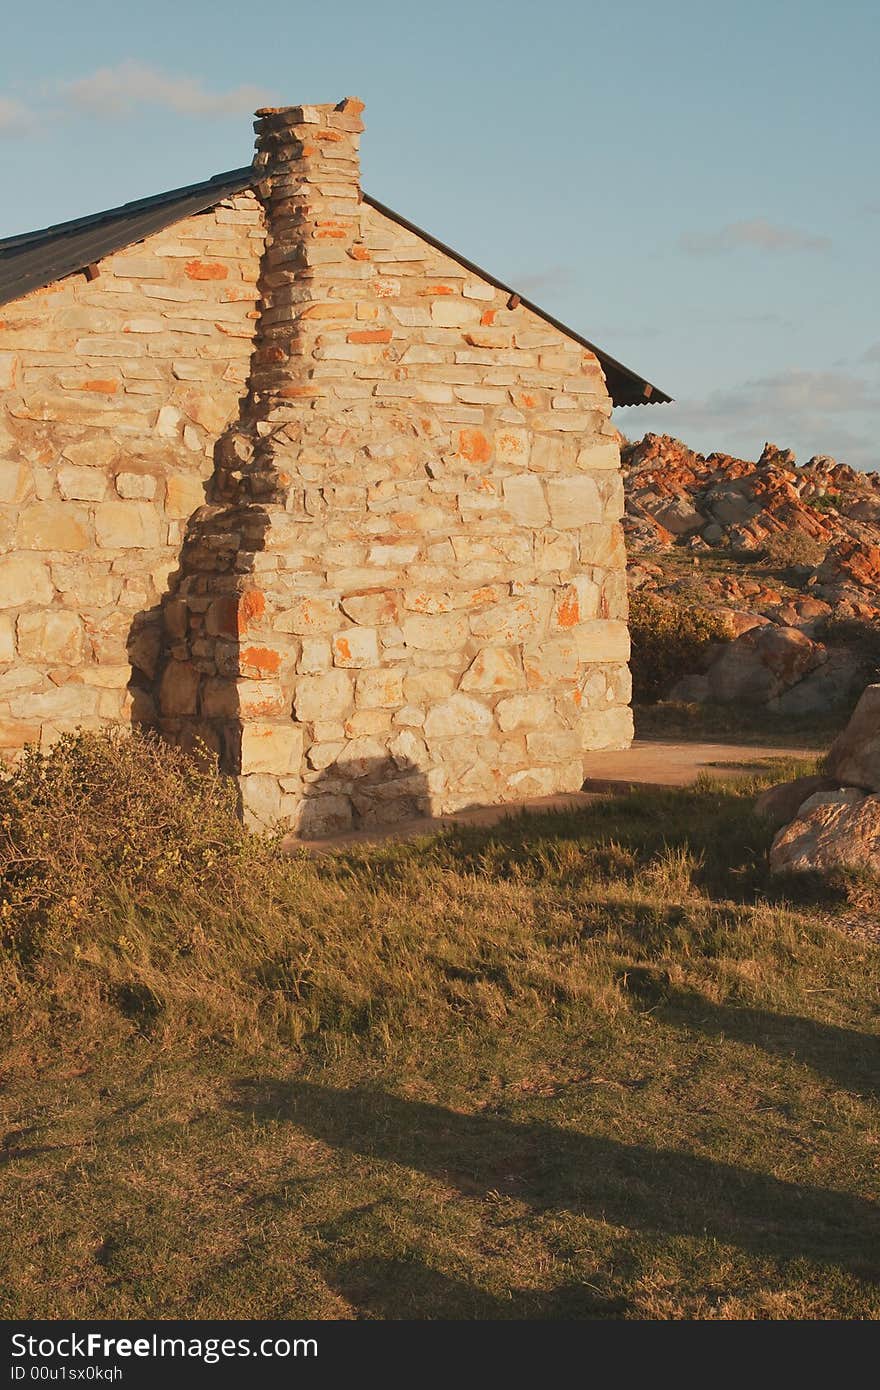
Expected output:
{"points": [[585, 1065]]}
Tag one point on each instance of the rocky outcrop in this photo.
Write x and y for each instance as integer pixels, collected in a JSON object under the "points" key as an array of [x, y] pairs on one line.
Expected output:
{"points": [[800, 558], [832, 821]]}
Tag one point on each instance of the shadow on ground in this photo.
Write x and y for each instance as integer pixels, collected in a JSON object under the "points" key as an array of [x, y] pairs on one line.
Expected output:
{"points": [[553, 1169]]}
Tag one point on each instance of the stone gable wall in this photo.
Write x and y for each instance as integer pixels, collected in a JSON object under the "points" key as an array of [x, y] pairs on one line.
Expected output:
{"points": [[112, 394], [407, 591]]}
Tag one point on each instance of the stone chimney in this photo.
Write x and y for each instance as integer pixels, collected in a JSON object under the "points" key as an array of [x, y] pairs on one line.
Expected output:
{"points": [[312, 196]]}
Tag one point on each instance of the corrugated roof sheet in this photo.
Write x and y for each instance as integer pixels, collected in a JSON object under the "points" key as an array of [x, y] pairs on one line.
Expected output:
{"points": [[34, 259]]}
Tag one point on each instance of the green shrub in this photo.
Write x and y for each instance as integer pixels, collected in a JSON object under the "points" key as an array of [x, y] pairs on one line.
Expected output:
{"points": [[668, 639], [830, 502]]}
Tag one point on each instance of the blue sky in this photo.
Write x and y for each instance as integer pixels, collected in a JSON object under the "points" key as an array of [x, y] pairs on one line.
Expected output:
{"points": [[693, 185]]}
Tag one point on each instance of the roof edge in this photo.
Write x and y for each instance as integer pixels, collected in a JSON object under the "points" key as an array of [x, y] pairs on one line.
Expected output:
{"points": [[75, 249]]}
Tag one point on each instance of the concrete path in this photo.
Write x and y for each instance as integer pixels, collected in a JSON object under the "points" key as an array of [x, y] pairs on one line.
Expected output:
{"points": [[657, 763], [648, 763]]}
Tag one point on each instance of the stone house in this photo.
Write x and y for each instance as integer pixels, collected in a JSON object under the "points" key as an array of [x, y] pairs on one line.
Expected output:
{"points": [[282, 473]]}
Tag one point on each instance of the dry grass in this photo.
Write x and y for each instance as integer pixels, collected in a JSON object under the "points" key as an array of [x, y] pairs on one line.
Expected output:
{"points": [[592, 1064]]}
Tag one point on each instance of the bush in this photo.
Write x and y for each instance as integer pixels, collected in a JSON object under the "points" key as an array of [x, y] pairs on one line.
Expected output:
{"points": [[830, 502], [668, 640], [785, 549]]}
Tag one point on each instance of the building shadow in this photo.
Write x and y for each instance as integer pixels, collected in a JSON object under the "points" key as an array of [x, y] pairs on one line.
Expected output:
{"points": [[553, 1169], [389, 1288], [849, 1059]]}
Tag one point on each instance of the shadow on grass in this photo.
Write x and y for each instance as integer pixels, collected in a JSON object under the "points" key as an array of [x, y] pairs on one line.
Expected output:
{"points": [[407, 1288], [630, 1185], [851, 1060]]}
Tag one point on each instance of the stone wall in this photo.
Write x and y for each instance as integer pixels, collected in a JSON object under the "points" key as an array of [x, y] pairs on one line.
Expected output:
{"points": [[112, 394], [407, 591]]}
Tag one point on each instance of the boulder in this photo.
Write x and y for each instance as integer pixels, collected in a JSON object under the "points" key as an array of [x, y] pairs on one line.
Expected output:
{"points": [[854, 757], [779, 805], [833, 829], [762, 663]]}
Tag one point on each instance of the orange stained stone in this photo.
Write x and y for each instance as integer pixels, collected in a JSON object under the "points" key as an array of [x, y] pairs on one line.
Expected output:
{"points": [[206, 270], [251, 606], [107, 387], [370, 335], [488, 318], [299, 392], [474, 446], [334, 136], [437, 289], [359, 253], [567, 611], [262, 658], [343, 648]]}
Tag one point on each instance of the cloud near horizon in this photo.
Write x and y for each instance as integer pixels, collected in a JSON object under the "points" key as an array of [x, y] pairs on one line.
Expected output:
{"points": [[813, 412], [756, 234], [126, 88]]}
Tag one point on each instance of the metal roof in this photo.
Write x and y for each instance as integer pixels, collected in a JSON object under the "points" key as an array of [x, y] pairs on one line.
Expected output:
{"points": [[35, 259]]}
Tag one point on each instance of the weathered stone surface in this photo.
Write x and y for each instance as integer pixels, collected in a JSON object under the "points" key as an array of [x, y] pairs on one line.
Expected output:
{"points": [[854, 757], [493, 668], [460, 714], [326, 696], [832, 830], [272, 747], [780, 804], [127, 525], [356, 646], [24, 580], [50, 634]]}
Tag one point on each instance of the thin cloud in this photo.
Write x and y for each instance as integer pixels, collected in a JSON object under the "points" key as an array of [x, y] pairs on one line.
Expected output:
{"points": [[755, 234], [872, 354], [554, 277], [121, 90], [14, 116], [813, 412]]}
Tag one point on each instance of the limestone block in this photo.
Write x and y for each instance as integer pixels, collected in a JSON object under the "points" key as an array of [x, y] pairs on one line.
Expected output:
{"points": [[355, 646], [512, 446], [323, 815], [493, 668], [551, 454], [53, 526], [602, 639], [67, 702], [574, 501], [141, 486], [184, 493], [178, 689], [7, 639], [50, 634], [576, 603], [322, 755], [128, 525], [553, 744], [552, 661], [372, 609], [460, 714], [517, 619], [8, 366], [408, 750], [261, 699], [261, 800], [76, 483], [315, 655], [323, 697], [524, 499], [524, 712], [271, 747], [24, 580], [97, 452], [308, 616], [379, 689], [368, 723], [603, 453], [603, 545], [608, 728], [359, 757], [435, 633], [16, 482]]}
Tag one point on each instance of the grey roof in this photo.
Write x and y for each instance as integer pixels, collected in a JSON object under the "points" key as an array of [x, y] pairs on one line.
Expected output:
{"points": [[34, 259]]}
